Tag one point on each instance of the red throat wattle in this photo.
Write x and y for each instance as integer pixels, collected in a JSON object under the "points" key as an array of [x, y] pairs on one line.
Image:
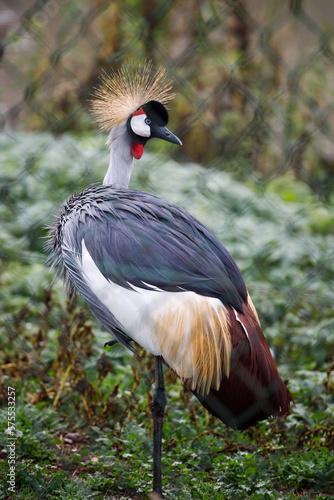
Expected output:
{"points": [[137, 150]]}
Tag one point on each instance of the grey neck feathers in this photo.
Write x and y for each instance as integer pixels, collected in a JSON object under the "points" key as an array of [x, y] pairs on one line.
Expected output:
{"points": [[121, 159]]}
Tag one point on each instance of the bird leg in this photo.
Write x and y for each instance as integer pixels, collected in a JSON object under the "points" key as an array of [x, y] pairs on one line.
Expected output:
{"points": [[158, 406]]}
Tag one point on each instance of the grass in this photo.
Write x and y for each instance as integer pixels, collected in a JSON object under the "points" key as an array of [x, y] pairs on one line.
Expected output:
{"points": [[83, 425]]}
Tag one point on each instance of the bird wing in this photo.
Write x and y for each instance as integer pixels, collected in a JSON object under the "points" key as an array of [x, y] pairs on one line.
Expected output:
{"points": [[254, 390], [137, 239]]}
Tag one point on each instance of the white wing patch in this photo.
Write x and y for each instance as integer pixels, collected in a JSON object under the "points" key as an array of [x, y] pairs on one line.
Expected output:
{"points": [[190, 331], [132, 308]]}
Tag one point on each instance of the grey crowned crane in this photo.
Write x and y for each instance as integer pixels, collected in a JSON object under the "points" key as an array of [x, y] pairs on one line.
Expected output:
{"points": [[153, 274]]}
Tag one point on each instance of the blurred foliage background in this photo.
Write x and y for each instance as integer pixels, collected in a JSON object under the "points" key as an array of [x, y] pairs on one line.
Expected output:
{"points": [[254, 79], [254, 109]]}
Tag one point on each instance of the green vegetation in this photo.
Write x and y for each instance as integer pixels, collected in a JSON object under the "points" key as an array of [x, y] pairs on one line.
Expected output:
{"points": [[83, 426]]}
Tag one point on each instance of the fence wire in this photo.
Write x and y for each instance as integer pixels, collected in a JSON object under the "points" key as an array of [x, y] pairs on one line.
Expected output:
{"points": [[255, 93], [254, 82]]}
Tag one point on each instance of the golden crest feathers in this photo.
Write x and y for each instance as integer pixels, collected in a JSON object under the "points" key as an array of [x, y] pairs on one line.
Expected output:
{"points": [[126, 90]]}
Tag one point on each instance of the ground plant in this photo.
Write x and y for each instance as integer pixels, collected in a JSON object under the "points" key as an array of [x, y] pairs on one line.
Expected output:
{"points": [[83, 426]]}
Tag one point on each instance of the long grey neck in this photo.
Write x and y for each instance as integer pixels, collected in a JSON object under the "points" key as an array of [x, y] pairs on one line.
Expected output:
{"points": [[121, 159]]}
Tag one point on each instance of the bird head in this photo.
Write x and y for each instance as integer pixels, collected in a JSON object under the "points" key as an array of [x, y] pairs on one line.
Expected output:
{"points": [[135, 99], [147, 122]]}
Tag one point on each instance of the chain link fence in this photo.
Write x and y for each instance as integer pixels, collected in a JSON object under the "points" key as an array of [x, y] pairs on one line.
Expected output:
{"points": [[254, 107], [255, 100], [254, 81], [254, 78]]}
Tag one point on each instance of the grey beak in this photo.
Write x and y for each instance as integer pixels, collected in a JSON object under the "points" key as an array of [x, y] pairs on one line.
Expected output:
{"points": [[165, 134]]}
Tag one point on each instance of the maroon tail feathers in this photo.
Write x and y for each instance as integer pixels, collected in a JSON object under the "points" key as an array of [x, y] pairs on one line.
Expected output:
{"points": [[254, 389]]}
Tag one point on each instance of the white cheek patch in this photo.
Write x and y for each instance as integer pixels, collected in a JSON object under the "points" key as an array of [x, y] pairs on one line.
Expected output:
{"points": [[139, 127]]}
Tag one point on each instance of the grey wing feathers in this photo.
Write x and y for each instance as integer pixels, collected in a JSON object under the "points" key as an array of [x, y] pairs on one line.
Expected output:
{"points": [[137, 239]]}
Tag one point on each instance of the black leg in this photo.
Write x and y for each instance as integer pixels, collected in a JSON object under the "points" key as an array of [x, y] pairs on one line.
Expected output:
{"points": [[158, 406]]}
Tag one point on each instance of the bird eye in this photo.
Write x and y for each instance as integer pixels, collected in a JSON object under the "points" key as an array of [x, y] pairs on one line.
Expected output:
{"points": [[147, 121]]}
